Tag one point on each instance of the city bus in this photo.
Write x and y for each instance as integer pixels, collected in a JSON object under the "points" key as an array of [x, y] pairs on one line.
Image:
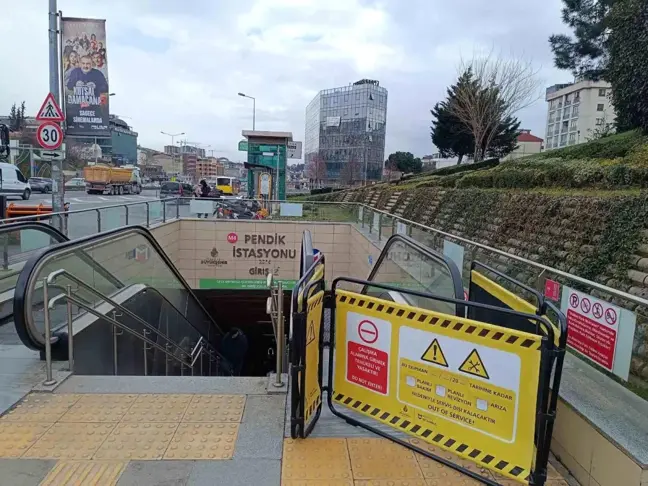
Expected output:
{"points": [[228, 185]]}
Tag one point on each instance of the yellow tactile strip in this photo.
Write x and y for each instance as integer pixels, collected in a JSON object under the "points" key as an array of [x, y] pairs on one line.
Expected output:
{"points": [[99, 473], [119, 427], [375, 462]]}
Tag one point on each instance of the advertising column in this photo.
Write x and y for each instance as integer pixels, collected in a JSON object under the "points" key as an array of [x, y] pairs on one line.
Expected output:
{"points": [[85, 77]]}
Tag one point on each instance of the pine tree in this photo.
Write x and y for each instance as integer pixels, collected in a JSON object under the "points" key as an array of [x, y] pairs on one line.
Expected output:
{"points": [[586, 53], [628, 67], [448, 133], [14, 118], [23, 119], [505, 140]]}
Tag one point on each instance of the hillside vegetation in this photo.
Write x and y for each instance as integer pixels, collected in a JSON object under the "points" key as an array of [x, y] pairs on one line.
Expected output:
{"points": [[616, 162]]}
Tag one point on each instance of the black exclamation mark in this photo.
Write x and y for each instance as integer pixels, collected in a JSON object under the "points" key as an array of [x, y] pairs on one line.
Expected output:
{"points": [[434, 348]]}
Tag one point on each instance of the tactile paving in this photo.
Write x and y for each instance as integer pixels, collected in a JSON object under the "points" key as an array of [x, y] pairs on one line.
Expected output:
{"points": [[137, 441], [73, 473], [215, 408], [316, 482], [157, 408], [323, 459], [99, 408], [16, 438], [438, 474], [203, 441], [382, 459], [393, 482], [41, 407], [70, 441]]}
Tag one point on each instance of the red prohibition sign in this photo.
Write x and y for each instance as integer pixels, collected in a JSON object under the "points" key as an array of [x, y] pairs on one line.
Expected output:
{"points": [[368, 332], [610, 317], [586, 305], [597, 310], [573, 300]]}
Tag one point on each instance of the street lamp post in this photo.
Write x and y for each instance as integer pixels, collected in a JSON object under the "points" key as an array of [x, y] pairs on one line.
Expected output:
{"points": [[253, 109], [173, 136]]}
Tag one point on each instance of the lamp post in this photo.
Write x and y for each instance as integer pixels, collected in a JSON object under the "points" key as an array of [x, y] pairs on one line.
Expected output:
{"points": [[253, 109], [173, 136]]}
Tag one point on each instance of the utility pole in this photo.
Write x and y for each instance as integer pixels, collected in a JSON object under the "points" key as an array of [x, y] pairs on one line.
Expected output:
{"points": [[58, 178]]}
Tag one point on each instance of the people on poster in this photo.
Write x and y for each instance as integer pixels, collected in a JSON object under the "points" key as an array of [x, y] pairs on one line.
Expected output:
{"points": [[85, 76]]}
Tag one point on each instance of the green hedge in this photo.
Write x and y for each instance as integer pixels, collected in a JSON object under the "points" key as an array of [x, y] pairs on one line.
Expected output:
{"points": [[610, 147], [324, 190], [456, 169]]}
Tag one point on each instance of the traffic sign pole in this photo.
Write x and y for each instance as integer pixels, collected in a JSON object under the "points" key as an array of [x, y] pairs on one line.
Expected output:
{"points": [[58, 179]]}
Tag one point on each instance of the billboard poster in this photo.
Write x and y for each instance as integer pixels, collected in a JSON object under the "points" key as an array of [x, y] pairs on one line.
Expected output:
{"points": [[85, 76]]}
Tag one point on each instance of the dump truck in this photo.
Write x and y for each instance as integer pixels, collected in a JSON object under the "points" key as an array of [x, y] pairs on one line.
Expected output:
{"points": [[104, 179]]}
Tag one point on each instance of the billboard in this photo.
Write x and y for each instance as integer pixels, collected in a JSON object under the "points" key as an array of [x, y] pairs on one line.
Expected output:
{"points": [[84, 66]]}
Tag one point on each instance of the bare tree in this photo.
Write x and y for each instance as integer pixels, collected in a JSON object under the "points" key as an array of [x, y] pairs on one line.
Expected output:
{"points": [[316, 170], [351, 172], [498, 88]]}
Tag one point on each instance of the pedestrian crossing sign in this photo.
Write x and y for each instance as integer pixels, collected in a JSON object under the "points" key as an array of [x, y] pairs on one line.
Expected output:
{"points": [[50, 110]]}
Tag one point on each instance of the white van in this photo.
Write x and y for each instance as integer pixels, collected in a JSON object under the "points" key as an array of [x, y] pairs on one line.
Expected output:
{"points": [[12, 182]]}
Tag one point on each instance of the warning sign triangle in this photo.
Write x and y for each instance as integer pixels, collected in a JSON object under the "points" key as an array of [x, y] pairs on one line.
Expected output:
{"points": [[50, 110], [473, 365], [434, 354], [310, 337]]}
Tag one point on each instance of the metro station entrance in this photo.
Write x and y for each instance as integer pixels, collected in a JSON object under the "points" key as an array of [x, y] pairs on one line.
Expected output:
{"points": [[476, 377]]}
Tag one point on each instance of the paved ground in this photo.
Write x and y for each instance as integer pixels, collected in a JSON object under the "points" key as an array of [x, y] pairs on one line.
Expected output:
{"points": [[81, 200]]}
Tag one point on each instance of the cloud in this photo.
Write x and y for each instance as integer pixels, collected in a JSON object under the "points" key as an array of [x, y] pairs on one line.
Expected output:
{"points": [[178, 66]]}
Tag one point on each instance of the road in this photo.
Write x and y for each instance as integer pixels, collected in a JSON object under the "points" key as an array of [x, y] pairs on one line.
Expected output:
{"points": [[92, 222]]}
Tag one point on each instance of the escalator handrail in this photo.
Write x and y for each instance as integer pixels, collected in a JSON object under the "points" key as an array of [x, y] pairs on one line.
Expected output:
{"points": [[24, 285], [60, 238], [455, 273]]}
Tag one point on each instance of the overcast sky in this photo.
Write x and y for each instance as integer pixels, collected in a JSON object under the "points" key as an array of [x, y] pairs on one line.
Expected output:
{"points": [[177, 66]]}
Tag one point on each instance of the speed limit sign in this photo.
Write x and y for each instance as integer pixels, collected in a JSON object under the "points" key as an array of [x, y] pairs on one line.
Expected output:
{"points": [[50, 135]]}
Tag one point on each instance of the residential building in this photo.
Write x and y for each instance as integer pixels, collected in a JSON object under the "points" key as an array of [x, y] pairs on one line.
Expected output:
{"points": [[208, 168], [345, 133], [189, 162], [183, 148], [527, 144], [169, 164], [576, 112]]}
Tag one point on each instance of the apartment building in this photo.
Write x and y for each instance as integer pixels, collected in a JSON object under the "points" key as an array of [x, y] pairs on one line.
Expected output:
{"points": [[577, 112], [208, 168]]}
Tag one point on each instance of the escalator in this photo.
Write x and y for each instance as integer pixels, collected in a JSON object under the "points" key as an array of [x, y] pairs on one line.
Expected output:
{"points": [[130, 310], [18, 242]]}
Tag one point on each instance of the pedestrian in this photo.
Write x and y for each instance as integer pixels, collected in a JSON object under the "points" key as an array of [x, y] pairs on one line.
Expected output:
{"points": [[204, 192]]}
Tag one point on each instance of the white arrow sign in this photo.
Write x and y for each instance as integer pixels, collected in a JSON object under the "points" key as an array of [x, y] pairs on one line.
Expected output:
{"points": [[51, 154]]}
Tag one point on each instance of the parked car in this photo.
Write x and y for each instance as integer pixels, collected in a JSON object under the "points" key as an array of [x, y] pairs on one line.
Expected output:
{"points": [[76, 183], [40, 184], [13, 182], [176, 189]]}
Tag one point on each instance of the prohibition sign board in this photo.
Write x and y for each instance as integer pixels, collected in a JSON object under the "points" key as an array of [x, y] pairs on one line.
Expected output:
{"points": [[49, 135]]}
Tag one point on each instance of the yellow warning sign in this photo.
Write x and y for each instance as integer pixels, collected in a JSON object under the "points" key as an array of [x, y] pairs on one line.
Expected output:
{"points": [[310, 337], [434, 354], [473, 365], [312, 390]]}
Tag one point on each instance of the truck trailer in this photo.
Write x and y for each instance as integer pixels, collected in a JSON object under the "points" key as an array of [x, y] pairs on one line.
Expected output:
{"points": [[103, 179]]}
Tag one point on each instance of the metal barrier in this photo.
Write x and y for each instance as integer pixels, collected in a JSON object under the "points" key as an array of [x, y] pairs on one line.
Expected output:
{"points": [[477, 386]]}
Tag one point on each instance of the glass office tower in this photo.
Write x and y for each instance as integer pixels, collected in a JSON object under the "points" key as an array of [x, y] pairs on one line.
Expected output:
{"points": [[345, 133]]}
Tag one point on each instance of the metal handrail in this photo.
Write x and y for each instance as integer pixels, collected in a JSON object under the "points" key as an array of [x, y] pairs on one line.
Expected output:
{"points": [[77, 211], [115, 323], [603, 288], [51, 279]]}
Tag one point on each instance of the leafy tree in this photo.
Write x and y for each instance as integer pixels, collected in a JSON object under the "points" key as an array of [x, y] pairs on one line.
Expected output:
{"points": [[505, 140], [586, 53], [351, 172], [628, 66], [449, 134], [14, 118], [404, 162]]}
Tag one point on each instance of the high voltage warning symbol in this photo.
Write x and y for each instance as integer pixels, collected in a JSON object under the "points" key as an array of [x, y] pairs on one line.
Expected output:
{"points": [[473, 365], [434, 354], [311, 333]]}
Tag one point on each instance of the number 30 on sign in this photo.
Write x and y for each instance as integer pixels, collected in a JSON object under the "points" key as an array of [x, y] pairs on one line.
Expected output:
{"points": [[50, 135]]}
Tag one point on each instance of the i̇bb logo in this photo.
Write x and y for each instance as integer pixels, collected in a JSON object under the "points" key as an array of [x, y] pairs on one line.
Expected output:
{"points": [[232, 238]]}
